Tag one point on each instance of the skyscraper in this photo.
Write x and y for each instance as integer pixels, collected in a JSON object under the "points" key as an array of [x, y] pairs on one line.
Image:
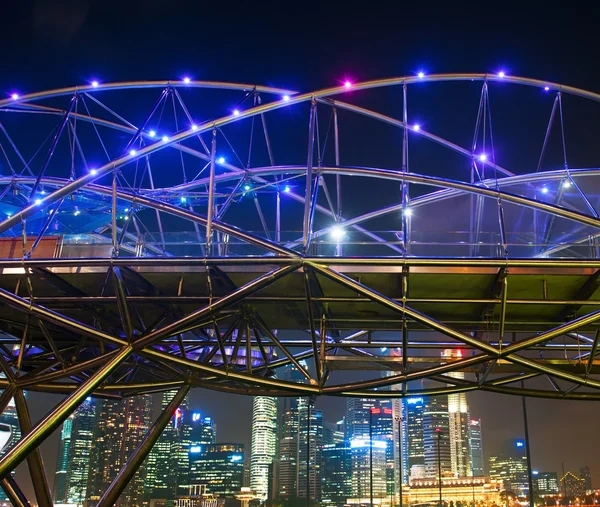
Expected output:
{"points": [[357, 417], [435, 421], [360, 468], [62, 461], [264, 443], [287, 469], [168, 463], [476, 446], [73, 459], [510, 467], [120, 427], [586, 475], [458, 423], [218, 466], [413, 453], [310, 444], [336, 477]]}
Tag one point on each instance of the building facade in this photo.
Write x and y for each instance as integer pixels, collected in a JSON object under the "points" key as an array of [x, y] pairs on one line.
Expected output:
{"points": [[220, 467], [310, 444], [436, 437], [476, 448], [413, 453], [264, 443], [336, 479], [458, 424], [167, 473], [510, 467], [119, 428], [545, 483], [361, 466]]}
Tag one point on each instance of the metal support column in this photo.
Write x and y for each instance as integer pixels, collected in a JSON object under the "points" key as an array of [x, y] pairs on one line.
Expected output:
{"points": [[309, 166], [38, 433], [439, 456], [400, 464], [371, 456], [211, 193], [121, 481], [13, 492], [34, 461]]}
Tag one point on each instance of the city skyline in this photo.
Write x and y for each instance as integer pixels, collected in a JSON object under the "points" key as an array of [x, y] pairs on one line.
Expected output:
{"points": [[499, 424], [220, 460]]}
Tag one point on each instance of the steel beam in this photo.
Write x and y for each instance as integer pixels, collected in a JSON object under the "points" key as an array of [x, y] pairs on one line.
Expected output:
{"points": [[13, 492], [38, 433], [34, 460], [210, 310], [118, 485]]}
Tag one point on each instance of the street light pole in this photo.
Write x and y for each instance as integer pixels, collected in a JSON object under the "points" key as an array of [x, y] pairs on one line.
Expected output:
{"points": [[371, 455], [439, 453], [400, 464]]}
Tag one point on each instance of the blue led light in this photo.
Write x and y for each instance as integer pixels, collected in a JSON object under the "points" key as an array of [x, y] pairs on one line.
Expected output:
{"points": [[195, 449]]}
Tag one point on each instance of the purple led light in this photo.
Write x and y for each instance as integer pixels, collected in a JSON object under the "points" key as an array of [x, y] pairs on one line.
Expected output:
{"points": [[286, 98], [347, 84], [14, 96], [236, 112]]}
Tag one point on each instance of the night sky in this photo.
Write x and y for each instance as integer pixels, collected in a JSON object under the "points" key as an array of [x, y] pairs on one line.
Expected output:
{"points": [[305, 46]]}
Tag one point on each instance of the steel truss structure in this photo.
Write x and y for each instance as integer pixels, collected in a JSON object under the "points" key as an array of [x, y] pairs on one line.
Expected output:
{"points": [[145, 273]]}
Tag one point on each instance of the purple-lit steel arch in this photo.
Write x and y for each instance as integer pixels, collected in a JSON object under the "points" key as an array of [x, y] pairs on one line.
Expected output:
{"points": [[219, 333]]}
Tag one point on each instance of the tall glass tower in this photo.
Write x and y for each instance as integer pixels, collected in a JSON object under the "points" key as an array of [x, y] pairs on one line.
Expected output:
{"points": [[264, 443], [168, 462], [476, 444], [287, 466], [73, 459], [458, 424], [310, 446], [120, 427], [413, 454], [436, 441], [62, 461]]}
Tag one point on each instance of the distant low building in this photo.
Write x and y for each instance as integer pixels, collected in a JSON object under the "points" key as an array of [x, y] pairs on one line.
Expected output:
{"points": [[573, 487], [545, 483], [458, 489]]}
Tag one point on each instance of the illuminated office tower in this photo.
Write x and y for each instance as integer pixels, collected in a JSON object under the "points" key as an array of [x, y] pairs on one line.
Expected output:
{"points": [[287, 462], [168, 462], [309, 450], [62, 461], [120, 427], [510, 467], [335, 474], [458, 423], [220, 467], [413, 454], [360, 469], [72, 467], [476, 445], [436, 439], [357, 417], [264, 443]]}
